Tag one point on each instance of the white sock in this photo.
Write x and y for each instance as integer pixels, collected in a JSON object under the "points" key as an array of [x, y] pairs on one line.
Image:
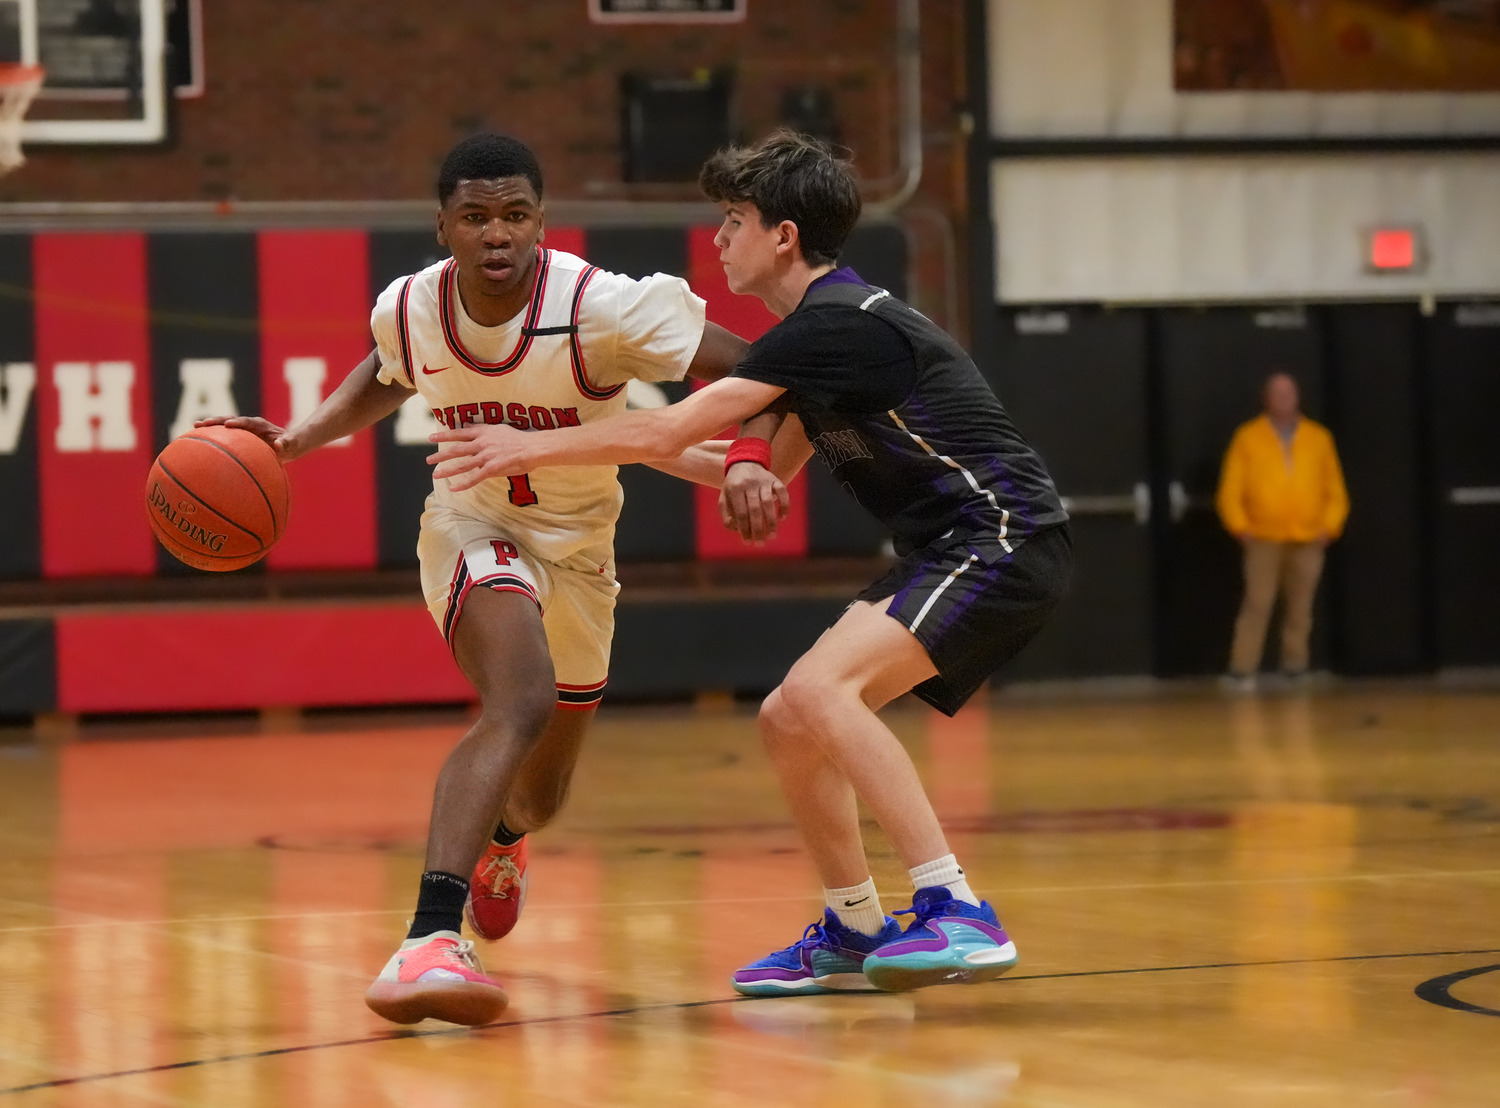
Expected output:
{"points": [[858, 907], [945, 872]]}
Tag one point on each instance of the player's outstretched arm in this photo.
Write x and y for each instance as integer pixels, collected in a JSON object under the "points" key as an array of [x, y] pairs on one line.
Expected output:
{"points": [[702, 464], [359, 402], [753, 499], [470, 455], [719, 351]]}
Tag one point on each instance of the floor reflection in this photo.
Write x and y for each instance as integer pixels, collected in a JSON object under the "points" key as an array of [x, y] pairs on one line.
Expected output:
{"points": [[200, 917], [1283, 840]]}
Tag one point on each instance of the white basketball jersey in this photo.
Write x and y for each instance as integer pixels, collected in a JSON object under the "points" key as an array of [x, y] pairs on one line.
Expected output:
{"points": [[561, 362]]}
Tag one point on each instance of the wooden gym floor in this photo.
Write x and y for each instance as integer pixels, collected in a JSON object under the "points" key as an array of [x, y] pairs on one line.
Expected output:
{"points": [[1289, 900]]}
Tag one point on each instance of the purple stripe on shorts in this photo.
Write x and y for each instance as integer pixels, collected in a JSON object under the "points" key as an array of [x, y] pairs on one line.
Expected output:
{"points": [[916, 579], [965, 600]]}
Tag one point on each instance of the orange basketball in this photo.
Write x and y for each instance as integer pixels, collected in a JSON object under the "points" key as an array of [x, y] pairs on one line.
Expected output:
{"points": [[217, 498]]}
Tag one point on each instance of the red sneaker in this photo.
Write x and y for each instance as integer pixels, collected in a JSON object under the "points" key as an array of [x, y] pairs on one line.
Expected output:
{"points": [[438, 977], [497, 891]]}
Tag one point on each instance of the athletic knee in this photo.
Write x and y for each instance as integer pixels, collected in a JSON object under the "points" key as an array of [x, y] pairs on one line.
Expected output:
{"points": [[800, 704], [777, 720], [522, 714]]}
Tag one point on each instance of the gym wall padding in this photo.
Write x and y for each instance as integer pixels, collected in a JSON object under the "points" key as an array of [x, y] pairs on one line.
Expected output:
{"points": [[92, 346], [20, 509], [677, 647], [240, 658], [205, 304], [314, 304], [28, 669], [122, 312], [236, 657]]}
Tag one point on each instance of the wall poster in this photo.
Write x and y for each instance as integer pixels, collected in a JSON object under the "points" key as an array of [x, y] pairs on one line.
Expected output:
{"points": [[1337, 45]]}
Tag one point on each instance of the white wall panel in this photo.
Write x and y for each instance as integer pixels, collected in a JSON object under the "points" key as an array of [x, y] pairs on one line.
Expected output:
{"points": [[1103, 68], [1197, 229]]}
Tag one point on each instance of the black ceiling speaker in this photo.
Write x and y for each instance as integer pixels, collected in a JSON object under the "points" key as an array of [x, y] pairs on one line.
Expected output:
{"points": [[672, 124]]}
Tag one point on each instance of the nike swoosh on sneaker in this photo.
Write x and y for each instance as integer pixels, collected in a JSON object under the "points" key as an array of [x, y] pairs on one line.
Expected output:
{"points": [[439, 369], [855, 903]]}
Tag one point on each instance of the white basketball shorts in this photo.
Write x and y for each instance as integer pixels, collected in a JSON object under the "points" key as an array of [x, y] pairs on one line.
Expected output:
{"points": [[576, 597]]}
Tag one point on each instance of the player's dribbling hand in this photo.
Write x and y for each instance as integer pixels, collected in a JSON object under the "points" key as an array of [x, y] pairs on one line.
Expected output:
{"points": [[753, 501], [471, 455], [280, 440]]}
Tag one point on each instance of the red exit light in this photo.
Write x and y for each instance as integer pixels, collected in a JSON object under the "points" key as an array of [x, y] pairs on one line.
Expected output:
{"points": [[1393, 250]]}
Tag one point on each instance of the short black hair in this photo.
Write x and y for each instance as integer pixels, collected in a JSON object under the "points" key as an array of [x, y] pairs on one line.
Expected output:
{"points": [[790, 176], [488, 157]]}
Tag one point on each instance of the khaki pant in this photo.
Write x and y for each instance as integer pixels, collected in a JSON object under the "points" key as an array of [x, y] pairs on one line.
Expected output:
{"points": [[1292, 569]]}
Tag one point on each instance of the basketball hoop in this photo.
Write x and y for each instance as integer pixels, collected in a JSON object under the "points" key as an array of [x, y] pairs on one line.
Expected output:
{"points": [[18, 86]]}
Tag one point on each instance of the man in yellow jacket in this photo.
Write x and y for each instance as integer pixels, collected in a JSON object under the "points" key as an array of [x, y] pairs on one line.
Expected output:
{"points": [[1281, 493]]}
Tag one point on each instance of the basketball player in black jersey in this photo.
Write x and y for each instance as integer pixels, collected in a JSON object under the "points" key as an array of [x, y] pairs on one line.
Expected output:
{"points": [[908, 426]]}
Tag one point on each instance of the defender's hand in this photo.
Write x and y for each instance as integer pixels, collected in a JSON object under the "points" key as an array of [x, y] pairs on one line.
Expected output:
{"points": [[280, 439], [474, 454], [752, 501]]}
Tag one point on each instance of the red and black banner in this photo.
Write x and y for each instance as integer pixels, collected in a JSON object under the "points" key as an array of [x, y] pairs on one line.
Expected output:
{"points": [[112, 343]]}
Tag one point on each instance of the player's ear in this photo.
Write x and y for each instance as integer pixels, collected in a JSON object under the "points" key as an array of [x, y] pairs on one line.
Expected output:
{"points": [[788, 239], [541, 222], [442, 234]]}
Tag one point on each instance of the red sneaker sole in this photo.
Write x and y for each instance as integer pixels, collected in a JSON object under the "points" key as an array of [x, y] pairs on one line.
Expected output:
{"points": [[466, 1002]]}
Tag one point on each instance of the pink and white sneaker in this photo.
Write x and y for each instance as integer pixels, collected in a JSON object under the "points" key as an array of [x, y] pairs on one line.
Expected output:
{"points": [[497, 890], [437, 977]]}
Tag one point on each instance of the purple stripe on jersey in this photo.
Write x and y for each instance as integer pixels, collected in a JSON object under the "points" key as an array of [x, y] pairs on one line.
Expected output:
{"points": [[994, 475], [844, 276], [1007, 486]]}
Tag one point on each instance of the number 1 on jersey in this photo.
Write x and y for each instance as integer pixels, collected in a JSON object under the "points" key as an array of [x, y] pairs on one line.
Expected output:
{"points": [[520, 491]]}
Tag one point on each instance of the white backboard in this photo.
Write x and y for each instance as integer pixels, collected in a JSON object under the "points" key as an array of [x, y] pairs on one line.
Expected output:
{"points": [[88, 46]]}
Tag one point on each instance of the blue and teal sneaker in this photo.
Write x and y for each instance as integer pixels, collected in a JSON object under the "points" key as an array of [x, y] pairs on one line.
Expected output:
{"points": [[950, 942], [828, 958]]}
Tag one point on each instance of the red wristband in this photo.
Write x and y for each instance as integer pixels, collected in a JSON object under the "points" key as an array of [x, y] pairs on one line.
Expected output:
{"points": [[748, 449]]}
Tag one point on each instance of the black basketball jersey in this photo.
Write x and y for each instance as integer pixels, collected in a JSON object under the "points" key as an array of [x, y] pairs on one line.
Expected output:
{"points": [[945, 460]]}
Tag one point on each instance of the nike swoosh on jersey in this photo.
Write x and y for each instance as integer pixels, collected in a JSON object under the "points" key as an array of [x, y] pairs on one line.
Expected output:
{"points": [[439, 369]]}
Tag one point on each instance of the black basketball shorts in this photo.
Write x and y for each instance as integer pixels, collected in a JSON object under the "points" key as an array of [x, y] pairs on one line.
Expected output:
{"points": [[973, 615]]}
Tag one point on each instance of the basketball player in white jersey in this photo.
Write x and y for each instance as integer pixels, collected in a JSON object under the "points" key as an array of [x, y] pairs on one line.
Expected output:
{"points": [[518, 572]]}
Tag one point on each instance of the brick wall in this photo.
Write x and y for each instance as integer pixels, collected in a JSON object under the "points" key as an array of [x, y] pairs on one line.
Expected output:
{"points": [[329, 99]]}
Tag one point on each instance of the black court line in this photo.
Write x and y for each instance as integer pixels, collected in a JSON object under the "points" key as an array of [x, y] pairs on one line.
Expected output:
{"points": [[396, 1036], [1245, 965], [1436, 991], [392, 1036]]}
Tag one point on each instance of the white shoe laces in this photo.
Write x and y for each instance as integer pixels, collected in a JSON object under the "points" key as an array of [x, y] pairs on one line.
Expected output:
{"points": [[500, 870], [463, 951]]}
